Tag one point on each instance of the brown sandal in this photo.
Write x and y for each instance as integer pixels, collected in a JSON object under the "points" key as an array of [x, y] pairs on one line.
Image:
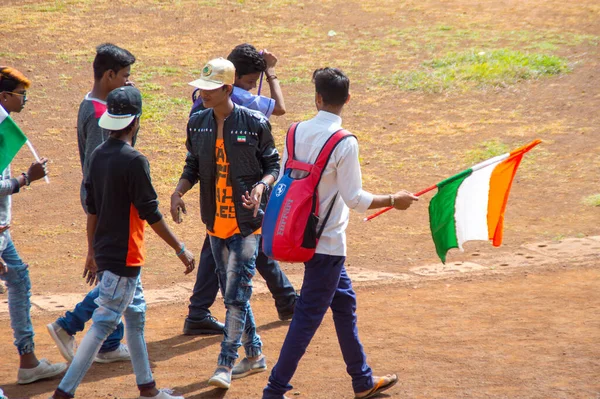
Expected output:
{"points": [[380, 386]]}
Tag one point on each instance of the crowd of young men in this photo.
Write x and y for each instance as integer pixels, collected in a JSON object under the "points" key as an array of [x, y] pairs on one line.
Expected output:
{"points": [[232, 155]]}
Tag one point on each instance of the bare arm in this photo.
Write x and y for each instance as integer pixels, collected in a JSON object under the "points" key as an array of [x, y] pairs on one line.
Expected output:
{"points": [[177, 203], [90, 269], [276, 93], [164, 232]]}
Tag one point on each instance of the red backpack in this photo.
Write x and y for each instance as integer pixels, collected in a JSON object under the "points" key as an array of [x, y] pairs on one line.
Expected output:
{"points": [[289, 229]]}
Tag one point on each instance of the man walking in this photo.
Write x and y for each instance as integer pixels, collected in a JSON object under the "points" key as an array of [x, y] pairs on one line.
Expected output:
{"points": [[326, 283], [231, 154], [120, 200], [249, 64], [112, 68]]}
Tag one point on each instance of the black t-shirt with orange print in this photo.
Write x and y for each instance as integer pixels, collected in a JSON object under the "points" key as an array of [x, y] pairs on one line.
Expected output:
{"points": [[120, 194]]}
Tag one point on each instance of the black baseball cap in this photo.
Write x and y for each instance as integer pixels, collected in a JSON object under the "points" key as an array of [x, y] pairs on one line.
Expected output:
{"points": [[122, 106]]}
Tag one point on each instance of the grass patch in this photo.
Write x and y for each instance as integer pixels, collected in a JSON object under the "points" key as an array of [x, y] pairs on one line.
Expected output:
{"points": [[496, 68], [592, 200], [486, 150], [157, 107]]}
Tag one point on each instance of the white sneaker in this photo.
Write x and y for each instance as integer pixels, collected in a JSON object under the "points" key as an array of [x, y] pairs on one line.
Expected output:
{"points": [[43, 370], [64, 342], [164, 393], [2, 394], [118, 355]]}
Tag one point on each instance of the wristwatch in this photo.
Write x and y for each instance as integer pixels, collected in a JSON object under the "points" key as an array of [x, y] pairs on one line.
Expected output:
{"points": [[267, 187]]}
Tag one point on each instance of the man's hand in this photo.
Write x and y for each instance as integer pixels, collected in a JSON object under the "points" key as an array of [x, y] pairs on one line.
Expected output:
{"points": [[3, 267], [177, 206], [90, 270], [37, 170], [187, 258], [270, 59], [404, 199], [252, 200]]}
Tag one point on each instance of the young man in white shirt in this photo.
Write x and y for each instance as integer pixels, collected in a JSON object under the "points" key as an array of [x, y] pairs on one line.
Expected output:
{"points": [[326, 283]]}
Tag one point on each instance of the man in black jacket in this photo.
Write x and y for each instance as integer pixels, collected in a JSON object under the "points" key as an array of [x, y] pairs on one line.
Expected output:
{"points": [[231, 153]]}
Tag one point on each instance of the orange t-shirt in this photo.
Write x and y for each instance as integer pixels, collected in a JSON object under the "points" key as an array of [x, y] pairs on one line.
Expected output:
{"points": [[225, 222]]}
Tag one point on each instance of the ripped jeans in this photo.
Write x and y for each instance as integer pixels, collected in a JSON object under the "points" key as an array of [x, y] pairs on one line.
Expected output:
{"points": [[19, 304], [235, 258]]}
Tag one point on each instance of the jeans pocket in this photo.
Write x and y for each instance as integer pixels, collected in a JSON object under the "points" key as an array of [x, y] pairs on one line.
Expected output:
{"points": [[108, 287]]}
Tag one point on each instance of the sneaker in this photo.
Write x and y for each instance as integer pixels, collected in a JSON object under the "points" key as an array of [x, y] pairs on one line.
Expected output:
{"points": [[118, 355], [64, 342], [43, 370], [164, 393], [247, 367], [221, 378], [2, 394], [207, 326]]}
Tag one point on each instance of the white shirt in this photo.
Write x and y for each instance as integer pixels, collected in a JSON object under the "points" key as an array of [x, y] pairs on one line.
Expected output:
{"points": [[341, 175]]}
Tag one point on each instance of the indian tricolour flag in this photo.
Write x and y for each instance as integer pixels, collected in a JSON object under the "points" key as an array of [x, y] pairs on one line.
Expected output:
{"points": [[11, 139], [471, 204]]}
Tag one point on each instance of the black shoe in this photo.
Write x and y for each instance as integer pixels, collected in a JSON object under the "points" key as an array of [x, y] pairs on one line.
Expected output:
{"points": [[207, 326], [287, 312]]}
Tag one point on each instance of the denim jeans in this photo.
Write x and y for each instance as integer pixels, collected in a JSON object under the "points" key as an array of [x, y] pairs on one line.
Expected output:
{"points": [[207, 283], [326, 285], [235, 258], [74, 322], [19, 304], [118, 296]]}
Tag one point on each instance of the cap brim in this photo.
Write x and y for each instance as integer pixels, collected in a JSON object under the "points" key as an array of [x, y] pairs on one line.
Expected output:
{"points": [[114, 122], [206, 84]]}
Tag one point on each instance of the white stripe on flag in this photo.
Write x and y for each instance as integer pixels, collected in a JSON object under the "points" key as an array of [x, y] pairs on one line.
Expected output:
{"points": [[470, 212], [3, 114]]}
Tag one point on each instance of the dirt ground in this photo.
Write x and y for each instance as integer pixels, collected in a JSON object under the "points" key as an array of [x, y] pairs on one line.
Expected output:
{"points": [[530, 333]]}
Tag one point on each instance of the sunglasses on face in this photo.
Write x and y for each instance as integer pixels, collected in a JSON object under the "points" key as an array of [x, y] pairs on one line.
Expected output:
{"points": [[22, 94]]}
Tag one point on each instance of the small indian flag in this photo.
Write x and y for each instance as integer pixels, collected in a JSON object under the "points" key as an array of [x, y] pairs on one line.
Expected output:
{"points": [[471, 204], [11, 139]]}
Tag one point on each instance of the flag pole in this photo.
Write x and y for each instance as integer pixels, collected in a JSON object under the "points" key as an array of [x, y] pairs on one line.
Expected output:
{"points": [[35, 155], [384, 210], [519, 151]]}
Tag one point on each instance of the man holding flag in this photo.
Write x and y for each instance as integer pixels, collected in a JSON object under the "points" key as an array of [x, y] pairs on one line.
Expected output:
{"points": [[13, 271]]}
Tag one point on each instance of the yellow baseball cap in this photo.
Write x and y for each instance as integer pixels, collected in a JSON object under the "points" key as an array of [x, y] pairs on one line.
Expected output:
{"points": [[216, 73]]}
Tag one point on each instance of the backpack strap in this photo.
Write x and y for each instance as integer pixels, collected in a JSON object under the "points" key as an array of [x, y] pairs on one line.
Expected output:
{"points": [[329, 147], [290, 141], [321, 162]]}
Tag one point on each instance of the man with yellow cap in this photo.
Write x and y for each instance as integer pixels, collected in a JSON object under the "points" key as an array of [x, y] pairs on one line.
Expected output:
{"points": [[232, 155]]}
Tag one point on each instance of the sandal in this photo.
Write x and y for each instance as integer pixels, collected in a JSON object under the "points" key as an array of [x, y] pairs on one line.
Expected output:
{"points": [[382, 384]]}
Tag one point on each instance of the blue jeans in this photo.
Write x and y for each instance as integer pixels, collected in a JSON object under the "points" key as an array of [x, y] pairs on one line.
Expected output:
{"points": [[19, 304], [207, 283], [235, 258], [74, 322], [326, 285], [118, 296]]}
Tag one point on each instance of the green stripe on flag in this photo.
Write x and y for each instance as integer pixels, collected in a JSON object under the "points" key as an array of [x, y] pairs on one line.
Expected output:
{"points": [[11, 141], [441, 214]]}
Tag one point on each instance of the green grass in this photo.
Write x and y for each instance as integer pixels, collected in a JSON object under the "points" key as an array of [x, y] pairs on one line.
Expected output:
{"points": [[157, 107], [479, 69], [592, 200], [486, 150]]}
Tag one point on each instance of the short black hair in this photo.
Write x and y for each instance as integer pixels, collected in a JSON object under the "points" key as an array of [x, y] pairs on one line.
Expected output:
{"points": [[246, 60], [332, 84], [111, 57]]}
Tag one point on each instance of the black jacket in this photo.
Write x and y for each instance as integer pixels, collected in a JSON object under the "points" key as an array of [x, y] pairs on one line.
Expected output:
{"points": [[251, 154]]}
